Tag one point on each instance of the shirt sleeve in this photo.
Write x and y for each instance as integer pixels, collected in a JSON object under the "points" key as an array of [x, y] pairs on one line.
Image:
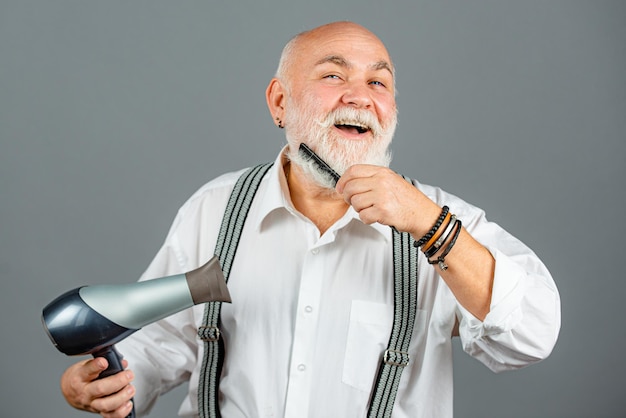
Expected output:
{"points": [[524, 320], [162, 355]]}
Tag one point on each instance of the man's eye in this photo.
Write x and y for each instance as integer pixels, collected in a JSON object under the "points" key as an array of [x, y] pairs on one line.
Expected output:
{"points": [[377, 83], [334, 76]]}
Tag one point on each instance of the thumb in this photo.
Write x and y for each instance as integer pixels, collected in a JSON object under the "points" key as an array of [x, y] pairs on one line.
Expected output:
{"points": [[92, 368]]}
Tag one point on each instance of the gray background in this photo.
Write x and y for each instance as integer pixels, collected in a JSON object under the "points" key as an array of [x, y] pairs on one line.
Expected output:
{"points": [[113, 113]]}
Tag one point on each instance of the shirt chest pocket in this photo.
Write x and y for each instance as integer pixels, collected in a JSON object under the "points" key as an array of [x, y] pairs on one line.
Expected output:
{"points": [[368, 335]]}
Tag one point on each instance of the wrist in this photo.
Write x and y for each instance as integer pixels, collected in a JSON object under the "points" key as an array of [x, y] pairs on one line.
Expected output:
{"points": [[448, 241], [434, 229]]}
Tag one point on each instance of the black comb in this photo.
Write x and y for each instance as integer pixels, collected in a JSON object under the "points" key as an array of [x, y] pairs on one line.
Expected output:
{"points": [[321, 164]]}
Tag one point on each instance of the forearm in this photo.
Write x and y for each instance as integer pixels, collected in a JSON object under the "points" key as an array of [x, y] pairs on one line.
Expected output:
{"points": [[469, 273], [463, 263]]}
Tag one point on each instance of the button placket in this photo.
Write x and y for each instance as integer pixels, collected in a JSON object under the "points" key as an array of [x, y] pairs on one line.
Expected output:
{"points": [[305, 330]]}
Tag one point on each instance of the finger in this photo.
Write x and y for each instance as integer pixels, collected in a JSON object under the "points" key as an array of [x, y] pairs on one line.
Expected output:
{"points": [[361, 201], [367, 191], [118, 404], [110, 385], [370, 176], [359, 186], [379, 204], [355, 172], [371, 211], [363, 170], [369, 216], [121, 412], [92, 368]]}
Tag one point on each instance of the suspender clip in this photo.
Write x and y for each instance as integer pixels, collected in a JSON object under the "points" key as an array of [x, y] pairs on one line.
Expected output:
{"points": [[209, 334], [396, 358]]}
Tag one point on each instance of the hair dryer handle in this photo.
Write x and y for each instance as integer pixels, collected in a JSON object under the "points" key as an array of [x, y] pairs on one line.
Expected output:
{"points": [[114, 358]]}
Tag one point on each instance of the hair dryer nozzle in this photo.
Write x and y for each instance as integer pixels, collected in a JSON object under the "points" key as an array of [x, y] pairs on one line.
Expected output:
{"points": [[207, 283]]}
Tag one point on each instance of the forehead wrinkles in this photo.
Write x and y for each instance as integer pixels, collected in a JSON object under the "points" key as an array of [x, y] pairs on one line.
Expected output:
{"points": [[343, 62]]}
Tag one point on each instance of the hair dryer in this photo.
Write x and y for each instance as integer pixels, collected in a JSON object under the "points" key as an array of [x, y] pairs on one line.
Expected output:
{"points": [[91, 319]]}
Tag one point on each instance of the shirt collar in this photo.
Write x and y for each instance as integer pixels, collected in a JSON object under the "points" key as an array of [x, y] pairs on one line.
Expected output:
{"points": [[276, 197]]}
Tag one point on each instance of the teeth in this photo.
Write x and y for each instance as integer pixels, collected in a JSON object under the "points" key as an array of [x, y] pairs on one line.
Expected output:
{"points": [[356, 125]]}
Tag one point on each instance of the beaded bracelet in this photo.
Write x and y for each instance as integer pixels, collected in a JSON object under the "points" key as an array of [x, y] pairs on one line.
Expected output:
{"points": [[442, 258], [432, 250], [429, 234]]}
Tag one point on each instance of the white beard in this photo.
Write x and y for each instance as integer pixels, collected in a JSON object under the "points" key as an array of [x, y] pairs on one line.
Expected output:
{"points": [[302, 125]]}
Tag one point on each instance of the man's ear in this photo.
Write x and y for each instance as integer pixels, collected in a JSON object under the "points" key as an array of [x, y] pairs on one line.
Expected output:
{"points": [[275, 96]]}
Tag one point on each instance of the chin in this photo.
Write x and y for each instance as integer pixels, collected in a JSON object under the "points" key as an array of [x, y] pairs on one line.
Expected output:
{"points": [[345, 153]]}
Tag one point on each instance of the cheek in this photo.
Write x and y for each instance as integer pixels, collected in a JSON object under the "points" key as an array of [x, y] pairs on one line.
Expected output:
{"points": [[387, 114], [326, 96], [315, 102], [390, 104]]}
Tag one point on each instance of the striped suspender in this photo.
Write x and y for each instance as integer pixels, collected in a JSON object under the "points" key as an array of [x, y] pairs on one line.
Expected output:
{"points": [[227, 241], [395, 358]]}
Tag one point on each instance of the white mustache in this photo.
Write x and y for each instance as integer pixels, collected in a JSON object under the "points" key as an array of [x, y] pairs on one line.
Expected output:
{"points": [[352, 116]]}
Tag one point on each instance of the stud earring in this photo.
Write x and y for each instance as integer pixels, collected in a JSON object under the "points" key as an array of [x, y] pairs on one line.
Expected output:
{"points": [[280, 123]]}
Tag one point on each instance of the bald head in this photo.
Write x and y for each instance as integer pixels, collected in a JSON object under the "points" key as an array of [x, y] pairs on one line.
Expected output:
{"points": [[303, 43]]}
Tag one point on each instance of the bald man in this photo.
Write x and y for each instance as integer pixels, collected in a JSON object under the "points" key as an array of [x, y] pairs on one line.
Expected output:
{"points": [[313, 287]]}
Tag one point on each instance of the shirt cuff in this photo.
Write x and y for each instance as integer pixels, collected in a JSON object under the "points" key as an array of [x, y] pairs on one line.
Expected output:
{"points": [[506, 297]]}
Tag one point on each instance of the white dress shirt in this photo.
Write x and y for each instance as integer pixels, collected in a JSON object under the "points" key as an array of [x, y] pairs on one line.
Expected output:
{"points": [[311, 315]]}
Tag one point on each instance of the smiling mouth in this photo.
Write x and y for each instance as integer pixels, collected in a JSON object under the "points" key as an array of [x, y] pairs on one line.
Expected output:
{"points": [[358, 129]]}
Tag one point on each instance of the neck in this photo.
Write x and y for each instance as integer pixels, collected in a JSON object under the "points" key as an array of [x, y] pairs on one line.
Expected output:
{"points": [[320, 205]]}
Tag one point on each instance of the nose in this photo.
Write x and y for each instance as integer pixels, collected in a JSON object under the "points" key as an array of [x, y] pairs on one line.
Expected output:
{"points": [[357, 95]]}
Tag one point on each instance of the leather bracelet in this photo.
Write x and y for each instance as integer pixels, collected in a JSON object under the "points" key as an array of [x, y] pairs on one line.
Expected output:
{"points": [[429, 234], [437, 234], [443, 237], [442, 258]]}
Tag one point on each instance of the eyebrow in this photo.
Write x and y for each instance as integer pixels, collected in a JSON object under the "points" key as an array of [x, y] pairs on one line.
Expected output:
{"points": [[342, 62], [382, 65]]}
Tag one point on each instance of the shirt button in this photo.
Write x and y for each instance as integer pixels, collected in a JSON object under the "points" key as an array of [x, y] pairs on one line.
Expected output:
{"points": [[315, 251], [308, 309], [301, 367]]}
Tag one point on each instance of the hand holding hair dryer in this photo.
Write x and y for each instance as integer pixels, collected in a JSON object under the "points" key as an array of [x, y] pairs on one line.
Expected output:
{"points": [[91, 319]]}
